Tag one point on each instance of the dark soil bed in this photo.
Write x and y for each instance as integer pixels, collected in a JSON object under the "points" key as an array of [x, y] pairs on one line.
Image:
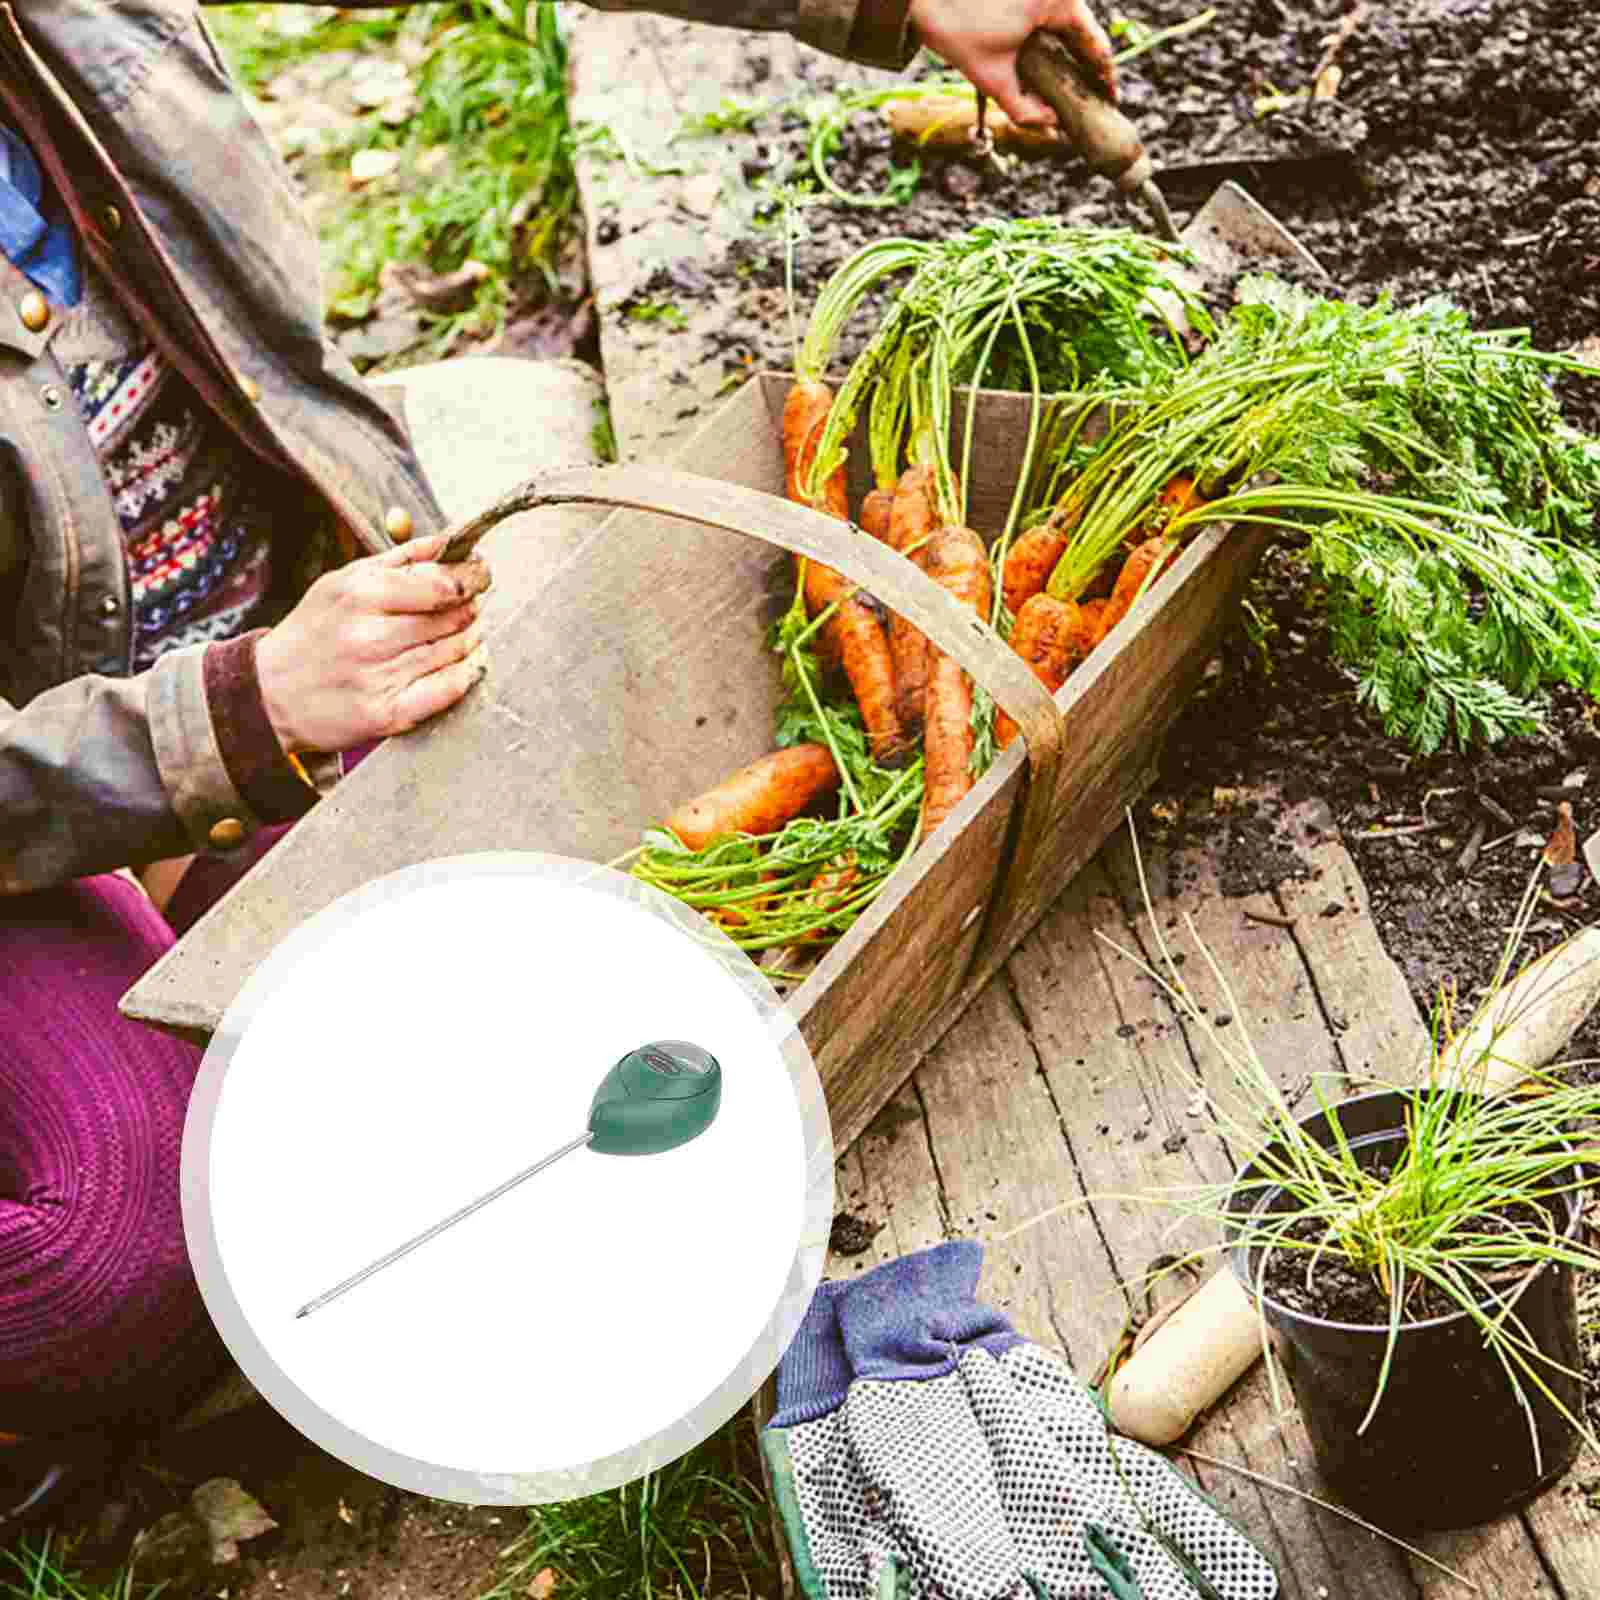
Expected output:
{"points": [[1461, 156]]}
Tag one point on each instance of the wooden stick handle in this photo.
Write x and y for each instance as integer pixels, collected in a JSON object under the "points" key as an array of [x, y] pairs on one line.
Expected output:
{"points": [[1089, 122]]}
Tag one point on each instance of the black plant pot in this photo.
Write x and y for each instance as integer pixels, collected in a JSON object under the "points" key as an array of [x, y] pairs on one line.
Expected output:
{"points": [[1449, 1445]]}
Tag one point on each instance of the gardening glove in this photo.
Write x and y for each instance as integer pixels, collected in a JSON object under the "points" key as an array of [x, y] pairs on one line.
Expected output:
{"points": [[971, 1465], [884, 1487]]}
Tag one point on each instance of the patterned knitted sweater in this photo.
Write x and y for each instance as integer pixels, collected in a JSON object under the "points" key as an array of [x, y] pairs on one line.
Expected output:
{"points": [[195, 508]]}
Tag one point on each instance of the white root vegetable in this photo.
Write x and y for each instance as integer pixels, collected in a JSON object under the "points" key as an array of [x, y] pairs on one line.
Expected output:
{"points": [[1214, 1337]]}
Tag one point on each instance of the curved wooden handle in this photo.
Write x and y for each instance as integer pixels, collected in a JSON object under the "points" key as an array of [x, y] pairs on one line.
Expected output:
{"points": [[1089, 122], [882, 572]]}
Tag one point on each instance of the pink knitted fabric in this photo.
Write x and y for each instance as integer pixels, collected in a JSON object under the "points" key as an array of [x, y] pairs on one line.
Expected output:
{"points": [[100, 1319]]}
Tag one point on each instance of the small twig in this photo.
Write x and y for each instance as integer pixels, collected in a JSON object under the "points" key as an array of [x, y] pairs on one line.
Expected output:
{"points": [[1468, 858], [1397, 833], [1338, 1511], [1340, 37], [1271, 918], [1505, 838], [1176, 31]]}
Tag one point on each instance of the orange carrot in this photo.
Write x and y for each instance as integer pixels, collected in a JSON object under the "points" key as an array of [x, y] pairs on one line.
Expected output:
{"points": [[805, 415], [830, 886], [758, 798], [875, 512], [1093, 620], [912, 521], [957, 561], [1051, 636], [1150, 555], [1032, 558], [853, 637]]}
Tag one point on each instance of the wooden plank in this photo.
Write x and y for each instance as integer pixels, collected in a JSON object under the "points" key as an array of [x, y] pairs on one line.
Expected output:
{"points": [[1565, 1521], [657, 206], [999, 1149], [1363, 992], [1261, 983], [888, 1177], [1120, 1078]]}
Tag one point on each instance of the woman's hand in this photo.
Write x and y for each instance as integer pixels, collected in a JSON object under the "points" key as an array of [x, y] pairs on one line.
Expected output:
{"points": [[373, 648], [981, 38]]}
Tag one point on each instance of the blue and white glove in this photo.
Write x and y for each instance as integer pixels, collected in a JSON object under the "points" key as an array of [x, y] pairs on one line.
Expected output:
{"points": [[922, 1450]]}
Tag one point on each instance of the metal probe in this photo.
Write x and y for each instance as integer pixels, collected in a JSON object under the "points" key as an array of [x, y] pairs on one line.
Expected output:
{"points": [[655, 1098]]}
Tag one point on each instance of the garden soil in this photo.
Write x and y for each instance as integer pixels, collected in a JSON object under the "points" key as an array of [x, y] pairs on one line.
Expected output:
{"points": [[1460, 155]]}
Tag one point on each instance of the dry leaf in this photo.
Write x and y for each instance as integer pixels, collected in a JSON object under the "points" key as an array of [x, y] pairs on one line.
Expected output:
{"points": [[229, 1515], [1562, 848], [346, 1515], [543, 1584]]}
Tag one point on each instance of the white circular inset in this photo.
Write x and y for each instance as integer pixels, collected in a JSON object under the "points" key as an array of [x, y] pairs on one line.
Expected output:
{"points": [[406, 1052]]}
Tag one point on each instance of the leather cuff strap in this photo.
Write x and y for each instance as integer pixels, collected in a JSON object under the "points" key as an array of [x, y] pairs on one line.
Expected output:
{"points": [[271, 784]]}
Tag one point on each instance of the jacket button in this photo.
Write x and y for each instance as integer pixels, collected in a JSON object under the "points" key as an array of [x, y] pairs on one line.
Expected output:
{"points": [[252, 389], [227, 834], [110, 606], [34, 310], [111, 219], [397, 522]]}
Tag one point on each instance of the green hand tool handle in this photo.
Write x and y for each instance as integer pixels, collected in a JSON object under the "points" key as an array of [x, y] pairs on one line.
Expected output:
{"points": [[655, 1099]]}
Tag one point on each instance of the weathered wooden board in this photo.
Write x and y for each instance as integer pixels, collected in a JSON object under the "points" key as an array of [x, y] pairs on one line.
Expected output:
{"points": [[663, 207]]}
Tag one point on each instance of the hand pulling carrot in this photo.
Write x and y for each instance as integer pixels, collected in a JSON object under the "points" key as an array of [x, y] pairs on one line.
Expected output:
{"points": [[956, 560], [759, 798], [1052, 637]]}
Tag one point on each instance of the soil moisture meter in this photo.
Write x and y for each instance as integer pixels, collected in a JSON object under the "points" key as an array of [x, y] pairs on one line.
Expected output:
{"points": [[654, 1099]]}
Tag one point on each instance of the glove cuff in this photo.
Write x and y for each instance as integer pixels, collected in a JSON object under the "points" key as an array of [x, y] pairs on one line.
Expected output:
{"points": [[916, 1317], [814, 1375]]}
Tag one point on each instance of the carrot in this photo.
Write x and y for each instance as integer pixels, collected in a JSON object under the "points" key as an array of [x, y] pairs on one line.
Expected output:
{"points": [[853, 637], [1181, 495], [831, 885], [1050, 635], [1093, 615], [912, 517], [863, 647], [1032, 558], [912, 521], [875, 512], [758, 798], [805, 415], [1150, 555], [957, 561]]}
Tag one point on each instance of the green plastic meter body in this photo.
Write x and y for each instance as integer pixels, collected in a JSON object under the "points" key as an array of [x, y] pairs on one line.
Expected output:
{"points": [[654, 1099]]}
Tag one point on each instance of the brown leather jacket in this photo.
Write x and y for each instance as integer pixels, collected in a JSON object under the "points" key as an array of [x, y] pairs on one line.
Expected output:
{"points": [[181, 202]]}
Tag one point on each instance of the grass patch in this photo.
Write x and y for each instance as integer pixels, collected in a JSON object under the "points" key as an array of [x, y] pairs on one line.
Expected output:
{"points": [[695, 1530], [485, 169], [33, 1569]]}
